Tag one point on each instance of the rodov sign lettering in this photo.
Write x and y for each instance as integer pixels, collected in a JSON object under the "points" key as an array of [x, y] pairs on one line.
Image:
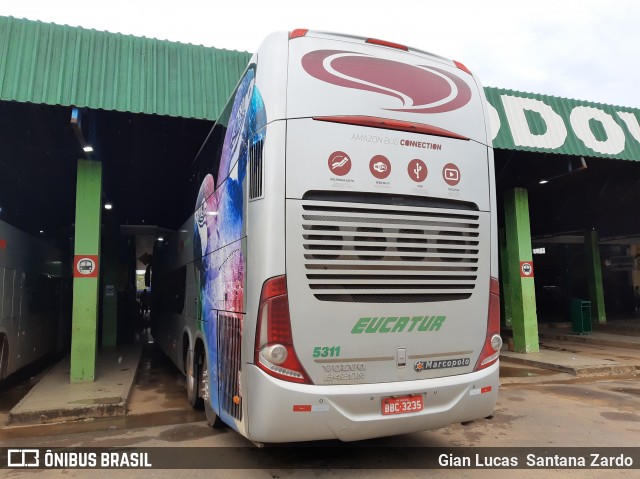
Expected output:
{"points": [[524, 121]]}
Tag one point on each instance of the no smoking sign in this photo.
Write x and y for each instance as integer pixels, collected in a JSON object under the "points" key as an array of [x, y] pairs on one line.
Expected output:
{"points": [[526, 269]]}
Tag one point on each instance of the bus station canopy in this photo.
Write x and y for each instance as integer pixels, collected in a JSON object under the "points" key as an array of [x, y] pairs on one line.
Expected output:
{"points": [[72, 66]]}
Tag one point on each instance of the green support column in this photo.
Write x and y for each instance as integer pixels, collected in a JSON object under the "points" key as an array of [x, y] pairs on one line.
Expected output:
{"points": [[85, 281], [109, 264], [594, 269], [521, 292]]}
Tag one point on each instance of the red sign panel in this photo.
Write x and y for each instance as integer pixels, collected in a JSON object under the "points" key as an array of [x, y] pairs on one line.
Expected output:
{"points": [[302, 408], [3, 244], [526, 269], [85, 266]]}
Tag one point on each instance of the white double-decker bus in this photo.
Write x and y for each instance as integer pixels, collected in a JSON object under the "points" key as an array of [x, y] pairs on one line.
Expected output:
{"points": [[338, 278]]}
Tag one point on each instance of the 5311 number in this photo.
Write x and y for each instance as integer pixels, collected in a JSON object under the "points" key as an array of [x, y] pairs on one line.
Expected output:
{"points": [[326, 351]]}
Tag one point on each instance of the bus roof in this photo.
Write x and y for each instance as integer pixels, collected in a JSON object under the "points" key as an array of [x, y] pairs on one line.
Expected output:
{"points": [[373, 41]]}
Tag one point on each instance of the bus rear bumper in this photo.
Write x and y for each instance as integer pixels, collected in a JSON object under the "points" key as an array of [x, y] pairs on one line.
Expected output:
{"points": [[279, 411]]}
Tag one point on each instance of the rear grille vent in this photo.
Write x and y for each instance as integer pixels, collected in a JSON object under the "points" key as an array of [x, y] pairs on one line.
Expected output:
{"points": [[229, 346], [255, 170], [390, 255]]}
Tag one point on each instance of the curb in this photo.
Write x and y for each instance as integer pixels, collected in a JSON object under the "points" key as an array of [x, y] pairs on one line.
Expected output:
{"points": [[599, 370], [108, 396], [51, 416], [586, 339]]}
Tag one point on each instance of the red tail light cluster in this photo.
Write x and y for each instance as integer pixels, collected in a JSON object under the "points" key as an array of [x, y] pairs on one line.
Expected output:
{"points": [[493, 341], [274, 351]]}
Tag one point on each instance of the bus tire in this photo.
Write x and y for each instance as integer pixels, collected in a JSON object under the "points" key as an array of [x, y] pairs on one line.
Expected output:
{"points": [[193, 384], [212, 418]]}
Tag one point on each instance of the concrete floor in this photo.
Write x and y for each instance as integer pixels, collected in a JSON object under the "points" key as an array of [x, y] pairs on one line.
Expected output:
{"points": [[536, 408]]}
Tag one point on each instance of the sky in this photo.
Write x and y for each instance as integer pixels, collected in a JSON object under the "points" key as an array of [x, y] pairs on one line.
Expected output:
{"points": [[582, 49]]}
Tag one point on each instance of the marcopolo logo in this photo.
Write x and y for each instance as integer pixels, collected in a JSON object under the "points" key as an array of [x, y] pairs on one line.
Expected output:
{"points": [[398, 324], [417, 88], [441, 364]]}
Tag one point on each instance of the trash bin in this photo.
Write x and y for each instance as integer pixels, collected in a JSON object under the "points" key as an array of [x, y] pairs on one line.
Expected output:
{"points": [[580, 316]]}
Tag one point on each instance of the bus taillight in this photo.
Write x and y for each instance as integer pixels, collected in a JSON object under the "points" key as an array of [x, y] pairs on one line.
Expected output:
{"points": [[493, 341], [383, 43], [274, 352], [390, 124]]}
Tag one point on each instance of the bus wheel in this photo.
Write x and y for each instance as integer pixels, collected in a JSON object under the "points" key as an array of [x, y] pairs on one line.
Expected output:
{"points": [[205, 388], [192, 381]]}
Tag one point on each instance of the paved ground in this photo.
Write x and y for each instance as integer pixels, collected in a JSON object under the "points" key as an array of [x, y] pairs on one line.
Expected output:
{"points": [[159, 390], [574, 412], [536, 408]]}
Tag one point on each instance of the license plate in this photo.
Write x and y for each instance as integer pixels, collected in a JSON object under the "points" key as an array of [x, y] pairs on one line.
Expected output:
{"points": [[401, 405]]}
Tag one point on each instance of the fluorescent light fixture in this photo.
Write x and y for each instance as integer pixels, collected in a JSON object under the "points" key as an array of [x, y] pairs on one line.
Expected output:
{"points": [[160, 238], [88, 149], [108, 206], [543, 182], [140, 271], [41, 231]]}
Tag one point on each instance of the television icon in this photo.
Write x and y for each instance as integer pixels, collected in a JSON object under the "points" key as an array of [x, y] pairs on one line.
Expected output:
{"points": [[451, 174]]}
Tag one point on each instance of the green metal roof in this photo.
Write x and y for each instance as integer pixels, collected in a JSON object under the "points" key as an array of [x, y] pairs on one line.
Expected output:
{"points": [[531, 122], [62, 65]]}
